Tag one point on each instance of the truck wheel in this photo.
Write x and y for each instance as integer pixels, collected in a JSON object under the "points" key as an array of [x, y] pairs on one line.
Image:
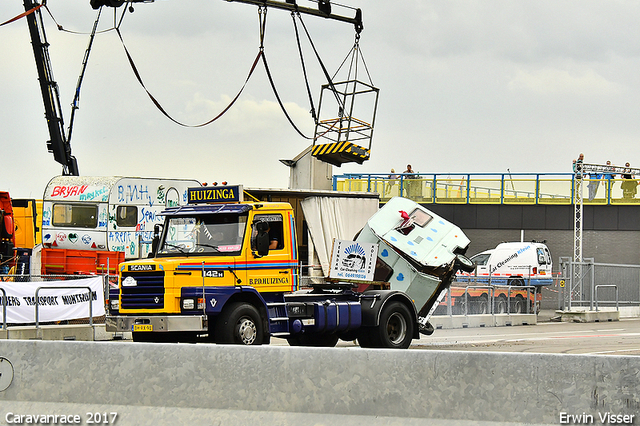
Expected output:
{"points": [[349, 336], [501, 305], [515, 282], [317, 340], [364, 337], [239, 324], [464, 264], [460, 306], [481, 305], [517, 305], [396, 327]]}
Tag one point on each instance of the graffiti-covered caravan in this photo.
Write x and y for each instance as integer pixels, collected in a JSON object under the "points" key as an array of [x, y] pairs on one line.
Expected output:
{"points": [[107, 213]]}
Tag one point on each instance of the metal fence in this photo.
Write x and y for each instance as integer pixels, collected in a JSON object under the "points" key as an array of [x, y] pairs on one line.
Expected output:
{"points": [[590, 284], [108, 282], [483, 299], [486, 188]]}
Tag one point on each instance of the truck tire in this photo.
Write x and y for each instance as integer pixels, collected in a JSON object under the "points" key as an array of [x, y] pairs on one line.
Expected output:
{"points": [[517, 305], [460, 307], [501, 305], [463, 263], [395, 330], [239, 324], [316, 340], [515, 282], [481, 305]]}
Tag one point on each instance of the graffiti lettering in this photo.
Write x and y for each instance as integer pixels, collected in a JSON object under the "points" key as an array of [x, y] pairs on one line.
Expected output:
{"points": [[68, 191], [149, 216], [94, 195], [133, 192]]}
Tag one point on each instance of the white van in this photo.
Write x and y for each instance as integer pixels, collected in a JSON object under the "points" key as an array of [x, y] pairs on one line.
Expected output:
{"points": [[109, 213], [516, 263]]}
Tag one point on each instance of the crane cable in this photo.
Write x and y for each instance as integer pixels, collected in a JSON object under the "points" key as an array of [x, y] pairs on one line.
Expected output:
{"points": [[324, 69], [263, 22], [304, 69], [22, 15], [85, 60], [157, 103]]}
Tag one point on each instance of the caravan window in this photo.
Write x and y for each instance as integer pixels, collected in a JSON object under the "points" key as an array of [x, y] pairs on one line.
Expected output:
{"points": [[75, 215], [127, 216]]}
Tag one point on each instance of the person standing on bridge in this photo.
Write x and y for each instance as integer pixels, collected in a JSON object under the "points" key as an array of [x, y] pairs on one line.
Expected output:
{"points": [[629, 185], [609, 176], [594, 182], [391, 180], [410, 174], [577, 166]]}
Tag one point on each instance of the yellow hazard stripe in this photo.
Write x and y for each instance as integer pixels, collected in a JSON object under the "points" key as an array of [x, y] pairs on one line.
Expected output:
{"points": [[336, 147]]}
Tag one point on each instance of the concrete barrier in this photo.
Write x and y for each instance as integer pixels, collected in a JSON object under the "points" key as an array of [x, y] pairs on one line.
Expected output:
{"points": [[472, 321], [170, 384]]}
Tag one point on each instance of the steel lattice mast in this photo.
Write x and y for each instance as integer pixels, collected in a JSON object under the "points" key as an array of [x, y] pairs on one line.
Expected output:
{"points": [[581, 170]]}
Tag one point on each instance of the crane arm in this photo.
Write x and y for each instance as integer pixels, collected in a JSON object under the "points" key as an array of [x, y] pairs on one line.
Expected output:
{"points": [[324, 8], [58, 145]]}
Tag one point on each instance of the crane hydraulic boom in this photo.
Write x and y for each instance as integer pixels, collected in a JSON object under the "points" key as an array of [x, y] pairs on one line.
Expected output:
{"points": [[59, 144], [324, 8]]}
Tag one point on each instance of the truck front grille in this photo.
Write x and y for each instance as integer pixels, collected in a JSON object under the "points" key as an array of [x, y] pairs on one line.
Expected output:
{"points": [[148, 293]]}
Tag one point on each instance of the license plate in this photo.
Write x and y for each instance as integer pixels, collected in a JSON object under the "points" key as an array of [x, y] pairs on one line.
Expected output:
{"points": [[142, 327]]}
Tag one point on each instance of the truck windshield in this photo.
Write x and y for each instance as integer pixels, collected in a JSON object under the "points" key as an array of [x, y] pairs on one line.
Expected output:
{"points": [[219, 234]]}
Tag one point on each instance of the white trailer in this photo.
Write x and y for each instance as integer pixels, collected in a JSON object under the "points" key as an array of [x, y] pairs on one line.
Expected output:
{"points": [[109, 213]]}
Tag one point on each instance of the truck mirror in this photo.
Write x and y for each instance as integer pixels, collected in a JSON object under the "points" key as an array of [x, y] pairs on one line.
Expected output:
{"points": [[262, 238], [157, 230]]}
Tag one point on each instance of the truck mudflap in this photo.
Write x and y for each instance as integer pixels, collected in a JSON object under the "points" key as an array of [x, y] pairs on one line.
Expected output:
{"points": [[156, 323], [374, 301]]}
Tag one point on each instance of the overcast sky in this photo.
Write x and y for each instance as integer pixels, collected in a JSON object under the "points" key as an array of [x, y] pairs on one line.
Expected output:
{"points": [[465, 86]]}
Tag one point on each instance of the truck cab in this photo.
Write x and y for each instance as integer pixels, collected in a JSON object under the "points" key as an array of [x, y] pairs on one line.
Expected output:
{"points": [[226, 271], [208, 256]]}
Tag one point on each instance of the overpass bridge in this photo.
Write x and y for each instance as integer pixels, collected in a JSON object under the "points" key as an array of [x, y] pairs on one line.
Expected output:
{"points": [[492, 208]]}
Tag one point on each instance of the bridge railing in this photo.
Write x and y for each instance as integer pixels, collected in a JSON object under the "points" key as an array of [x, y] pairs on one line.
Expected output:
{"points": [[499, 188]]}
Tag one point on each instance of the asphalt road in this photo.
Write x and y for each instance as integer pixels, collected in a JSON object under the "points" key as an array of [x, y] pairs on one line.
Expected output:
{"points": [[600, 338]]}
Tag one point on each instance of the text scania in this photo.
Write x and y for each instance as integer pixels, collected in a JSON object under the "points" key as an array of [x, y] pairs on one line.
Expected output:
{"points": [[142, 267], [262, 281]]}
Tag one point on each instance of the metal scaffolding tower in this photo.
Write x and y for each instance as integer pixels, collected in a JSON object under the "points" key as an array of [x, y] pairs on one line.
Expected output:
{"points": [[582, 170]]}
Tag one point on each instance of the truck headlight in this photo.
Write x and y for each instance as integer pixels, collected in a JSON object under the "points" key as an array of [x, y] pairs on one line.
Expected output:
{"points": [[115, 304], [190, 303]]}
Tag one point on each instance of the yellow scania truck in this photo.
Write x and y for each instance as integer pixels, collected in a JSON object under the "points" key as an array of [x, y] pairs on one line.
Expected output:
{"points": [[225, 270]]}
